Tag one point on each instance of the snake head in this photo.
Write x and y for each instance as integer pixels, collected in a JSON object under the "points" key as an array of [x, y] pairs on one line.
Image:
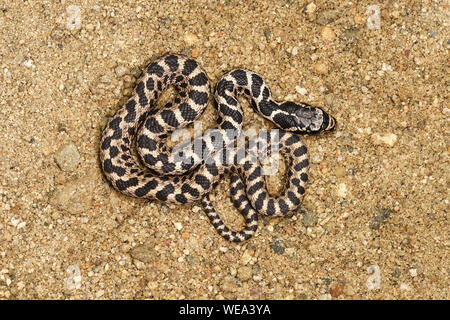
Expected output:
{"points": [[307, 119]]}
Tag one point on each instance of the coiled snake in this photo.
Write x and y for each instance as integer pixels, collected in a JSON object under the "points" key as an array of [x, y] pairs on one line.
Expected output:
{"points": [[190, 172]]}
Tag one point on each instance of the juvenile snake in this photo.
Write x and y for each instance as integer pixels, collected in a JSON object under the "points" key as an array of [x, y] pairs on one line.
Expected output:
{"points": [[190, 173]]}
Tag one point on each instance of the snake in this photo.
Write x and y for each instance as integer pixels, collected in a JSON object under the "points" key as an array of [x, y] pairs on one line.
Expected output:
{"points": [[191, 170]]}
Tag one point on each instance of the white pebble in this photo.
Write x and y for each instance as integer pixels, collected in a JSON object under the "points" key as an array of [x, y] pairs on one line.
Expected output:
{"points": [[413, 272], [301, 90], [28, 63], [178, 225]]}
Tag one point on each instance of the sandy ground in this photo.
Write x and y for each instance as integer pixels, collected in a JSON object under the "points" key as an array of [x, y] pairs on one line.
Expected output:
{"points": [[373, 224]]}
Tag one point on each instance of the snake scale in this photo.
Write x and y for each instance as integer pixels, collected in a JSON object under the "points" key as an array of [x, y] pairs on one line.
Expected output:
{"points": [[188, 172]]}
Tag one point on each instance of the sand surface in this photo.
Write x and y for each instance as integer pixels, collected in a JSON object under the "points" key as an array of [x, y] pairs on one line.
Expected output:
{"points": [[373, 224]]}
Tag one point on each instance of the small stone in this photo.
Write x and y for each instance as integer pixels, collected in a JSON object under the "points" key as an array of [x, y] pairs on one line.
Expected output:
{"points": [[276, 246], [350, 34], [340, 172], [195, 53], [247, 256], [74, 196], [120, 71], [348, 290], [190, 38], [67, 157], [244, 273], [309, 219], [267, 34], [28, 63], [341, 190], [228, 284], [327, 33], [185, 235], [164, 209], [390, 139], [301, 90], [144, 253], [310, 8], [320, 68], [337, 291], [196, 209], [328, 16], [325, 296], [99, 293], [357, 19], [413, 272], [178, 225], [73, 17]]}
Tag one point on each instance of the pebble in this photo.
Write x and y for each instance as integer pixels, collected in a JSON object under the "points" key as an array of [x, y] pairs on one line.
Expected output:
{"points": [[228, 284], [340, 172], [244, 273], [247, 256], [190, 38], [178, 225], [309, 219], [351, 33], [320, 68], [328, 16], [325, 296], [413, 272], [67, 157], [348, 290], [74, 197], [327, 33], [301, 90], [341, 190], [144, 253], [310, 8], [276, 246], [337, 291], [120, 71], [389, 138], [74, 17], [73, 281]]}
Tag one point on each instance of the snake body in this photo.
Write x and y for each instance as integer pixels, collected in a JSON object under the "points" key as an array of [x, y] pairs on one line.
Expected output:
{"points": [[188, 172]]}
